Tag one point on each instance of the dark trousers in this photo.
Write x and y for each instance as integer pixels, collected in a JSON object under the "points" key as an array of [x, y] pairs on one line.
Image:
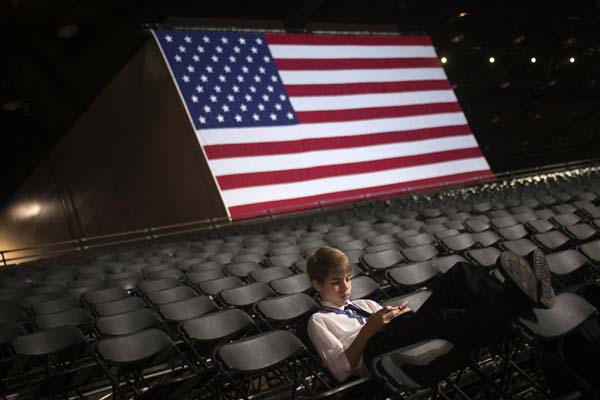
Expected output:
{"points": [[467, 307]]}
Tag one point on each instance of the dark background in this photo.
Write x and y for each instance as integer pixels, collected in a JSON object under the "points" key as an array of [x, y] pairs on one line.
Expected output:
{"points": [[58, 55]]}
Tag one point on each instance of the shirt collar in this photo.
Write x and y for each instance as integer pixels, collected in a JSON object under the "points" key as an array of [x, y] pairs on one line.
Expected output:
{"points": [[328, 304]]}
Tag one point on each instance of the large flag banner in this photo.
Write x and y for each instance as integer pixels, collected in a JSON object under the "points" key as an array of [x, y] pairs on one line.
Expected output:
{"points": [[286, 121]]}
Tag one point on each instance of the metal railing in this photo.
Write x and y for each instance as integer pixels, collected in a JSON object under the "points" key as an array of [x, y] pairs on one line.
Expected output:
{"points": [[89, 244]]}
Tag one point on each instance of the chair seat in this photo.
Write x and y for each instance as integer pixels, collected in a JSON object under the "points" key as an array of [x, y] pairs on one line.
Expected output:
{"points": [[417, 366], [568, 312]]}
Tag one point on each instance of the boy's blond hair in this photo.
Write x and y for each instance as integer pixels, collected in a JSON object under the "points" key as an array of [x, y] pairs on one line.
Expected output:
{"points": [[327, 261]]}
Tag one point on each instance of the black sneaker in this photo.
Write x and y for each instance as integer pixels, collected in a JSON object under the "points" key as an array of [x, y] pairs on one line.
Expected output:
{"points": [[518, 273], [546, 295]]}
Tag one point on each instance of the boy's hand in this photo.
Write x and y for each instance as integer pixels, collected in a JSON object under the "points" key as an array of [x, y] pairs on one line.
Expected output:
{"points": [[378, 320]]}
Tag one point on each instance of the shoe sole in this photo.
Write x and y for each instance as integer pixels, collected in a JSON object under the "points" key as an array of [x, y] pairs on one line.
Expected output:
{"points": [[517, 270], [544, 276]]}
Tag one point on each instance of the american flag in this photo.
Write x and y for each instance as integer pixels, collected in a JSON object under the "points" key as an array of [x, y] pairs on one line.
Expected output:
{"points": [[289, 120]]}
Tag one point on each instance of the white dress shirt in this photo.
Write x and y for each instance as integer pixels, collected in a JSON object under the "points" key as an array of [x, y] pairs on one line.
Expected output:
{"points": [[333, 333]]}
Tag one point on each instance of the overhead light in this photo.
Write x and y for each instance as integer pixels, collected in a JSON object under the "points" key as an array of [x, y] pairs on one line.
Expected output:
{"points": [[492, 60], [505, 84], [444, 60], [67, 31], [463, 14], [572, 60], [518, 39], [457, 38], [533, 60]]}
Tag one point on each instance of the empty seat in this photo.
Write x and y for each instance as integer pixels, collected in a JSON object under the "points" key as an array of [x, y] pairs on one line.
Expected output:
{"points": [[521, 247], [591, 250], [57, 305], [433, 228], [382, 260], [292, 284], [146, 287], [171, 295], [214, 286], [381, 239], [551, 241], [119, 306], [525, 217], [447, 233], [197, 277], [485, 238], [245, 296], [476, 225], [413, 275], [581, 232], [485, 257], [504, 222], [167, 273], [513, 232], [563, 220], [242, 270], [187, 309], [280, 311], [418, 240], [420, 253], [268, 274], [540, 226], [259, 354], [205, 266], [127, 323], [73, 317], [286, 260], [362, 287], [566, 262], [217, 326], [459, 242], [104, 295]]}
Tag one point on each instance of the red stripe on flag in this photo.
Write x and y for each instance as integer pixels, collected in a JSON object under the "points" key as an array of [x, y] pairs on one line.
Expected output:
{"points": [[236, 181], [307, 117], [303, 203], [218, 151], [355, 63], [363, 88], [371, 40]]}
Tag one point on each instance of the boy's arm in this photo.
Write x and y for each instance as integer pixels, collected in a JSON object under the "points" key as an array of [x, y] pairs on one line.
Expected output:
{"points": [[376, 322]]}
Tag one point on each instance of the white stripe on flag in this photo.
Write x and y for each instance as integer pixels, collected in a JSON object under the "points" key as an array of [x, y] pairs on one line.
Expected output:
{"points": [[229, 166], [259, 194], [356, 101], [327, 129], [291, 77], [349, 51]]}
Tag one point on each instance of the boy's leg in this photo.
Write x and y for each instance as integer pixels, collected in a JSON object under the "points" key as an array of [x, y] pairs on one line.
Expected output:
{"points": [[468, 308]]}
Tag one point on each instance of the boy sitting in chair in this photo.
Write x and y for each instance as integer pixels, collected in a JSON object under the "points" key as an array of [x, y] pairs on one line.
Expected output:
{"points": [[468, 308]]}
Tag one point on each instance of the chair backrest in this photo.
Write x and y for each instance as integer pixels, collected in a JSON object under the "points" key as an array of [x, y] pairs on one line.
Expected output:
{"points": [[259, 352], [247, 295], [57, 305], [187, 309], [47, 342], [158, 284], [285, 309], [291, 284], [127, 323], [217, 326], [141, 349], [171, 295], [104, 295], [72, 317], [127, 304]]}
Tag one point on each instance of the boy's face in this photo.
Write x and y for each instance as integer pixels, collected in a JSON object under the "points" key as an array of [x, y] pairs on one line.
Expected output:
{"points": [[335, 288]]}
